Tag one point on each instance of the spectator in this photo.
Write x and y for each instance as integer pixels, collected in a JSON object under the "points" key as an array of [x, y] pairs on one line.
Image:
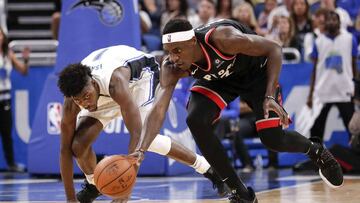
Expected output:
{"points": [[318, 24], [354, 125], [247, 128], [175, 9], [244, 14], [263, 16], [285, 35], [206, 13], [149, 41], [356, 29], [55, 20], [345, 20], [350, 157], [223, 9], [283, 10], [238, 122], [154, 8], [301, 16], [334, 56], [8, 60]]}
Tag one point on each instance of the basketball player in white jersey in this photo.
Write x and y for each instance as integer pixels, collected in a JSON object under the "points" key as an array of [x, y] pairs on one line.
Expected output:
{"points": [[109, 83]]}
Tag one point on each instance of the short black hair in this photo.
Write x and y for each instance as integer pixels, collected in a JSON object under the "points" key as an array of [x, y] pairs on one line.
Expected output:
{"points": [[177, 25], [73, 79]]}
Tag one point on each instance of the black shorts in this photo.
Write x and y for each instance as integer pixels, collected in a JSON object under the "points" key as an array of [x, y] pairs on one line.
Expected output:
{"points": [[250, 89]]}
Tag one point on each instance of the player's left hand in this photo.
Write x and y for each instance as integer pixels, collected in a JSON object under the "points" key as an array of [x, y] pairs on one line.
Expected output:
{"points": [[272, 105]]}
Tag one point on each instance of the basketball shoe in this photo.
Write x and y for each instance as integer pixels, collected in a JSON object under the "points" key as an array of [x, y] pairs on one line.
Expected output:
{"points": [[329, 169], [235, 197], [218, 184], [88, 193]]}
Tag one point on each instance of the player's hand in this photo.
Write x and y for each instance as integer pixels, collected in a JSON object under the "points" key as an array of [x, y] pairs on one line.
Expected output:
{"points": [[138, 157], [272, 105]]}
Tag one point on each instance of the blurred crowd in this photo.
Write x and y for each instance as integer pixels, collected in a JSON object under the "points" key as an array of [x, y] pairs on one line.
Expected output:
{"points": [[291, 23], [299, 26]]}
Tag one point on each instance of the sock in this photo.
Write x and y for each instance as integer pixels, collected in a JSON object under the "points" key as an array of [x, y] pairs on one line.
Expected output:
{"points": [[200, 165], [90, 179]]}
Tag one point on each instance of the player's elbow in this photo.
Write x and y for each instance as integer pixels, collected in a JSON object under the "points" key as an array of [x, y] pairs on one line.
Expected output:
{"points": [[275, 48]]}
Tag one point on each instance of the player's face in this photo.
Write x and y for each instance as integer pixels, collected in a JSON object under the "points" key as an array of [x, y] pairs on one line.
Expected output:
{"points": [[181, 53], [88, 97]]}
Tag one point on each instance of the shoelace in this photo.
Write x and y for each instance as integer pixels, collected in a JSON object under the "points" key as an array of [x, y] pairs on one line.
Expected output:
{"points": [[83, 186], [86, 188], [326, 158], [233, 197]]}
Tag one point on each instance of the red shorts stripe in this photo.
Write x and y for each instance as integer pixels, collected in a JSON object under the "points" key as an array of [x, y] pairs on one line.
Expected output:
{"points": [[267, 123], [344, 164], [215, 97]]}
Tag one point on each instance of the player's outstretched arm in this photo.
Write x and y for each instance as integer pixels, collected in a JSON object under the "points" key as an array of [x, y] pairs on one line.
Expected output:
{"points": [[68, 124], [169, 76], [120, 93]]}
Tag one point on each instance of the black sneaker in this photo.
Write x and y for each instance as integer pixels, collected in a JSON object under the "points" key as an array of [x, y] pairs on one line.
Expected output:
{"points": [[88, 194], [16, 168], [236, 198], [218, 184], [329, 169]]}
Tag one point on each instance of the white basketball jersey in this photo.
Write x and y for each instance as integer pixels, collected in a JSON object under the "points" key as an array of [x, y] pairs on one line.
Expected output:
{"points": [[144, 71]]}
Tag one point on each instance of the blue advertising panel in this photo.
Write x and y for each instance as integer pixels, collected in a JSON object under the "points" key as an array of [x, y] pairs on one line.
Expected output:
{"points": [[25, 94]]}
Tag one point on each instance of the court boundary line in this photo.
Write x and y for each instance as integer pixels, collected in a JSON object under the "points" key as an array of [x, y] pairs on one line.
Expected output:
{"points": [[291, 186]]}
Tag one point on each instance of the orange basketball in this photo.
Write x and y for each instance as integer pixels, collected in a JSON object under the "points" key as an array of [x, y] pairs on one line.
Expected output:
{"points": [[115, 176]]}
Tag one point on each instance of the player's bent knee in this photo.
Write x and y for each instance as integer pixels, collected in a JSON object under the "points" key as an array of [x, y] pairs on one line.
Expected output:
{"points": [[161, 145]]}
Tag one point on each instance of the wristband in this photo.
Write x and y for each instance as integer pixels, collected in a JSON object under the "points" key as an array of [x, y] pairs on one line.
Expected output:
{"points": [[141, 150], [270, 97]]}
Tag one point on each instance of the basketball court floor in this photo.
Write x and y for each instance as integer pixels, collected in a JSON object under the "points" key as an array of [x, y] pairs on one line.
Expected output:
{"points": [[280, 186]]}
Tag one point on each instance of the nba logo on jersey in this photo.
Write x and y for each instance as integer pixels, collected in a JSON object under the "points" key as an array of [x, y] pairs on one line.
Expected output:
{"points": [[54, 110]]}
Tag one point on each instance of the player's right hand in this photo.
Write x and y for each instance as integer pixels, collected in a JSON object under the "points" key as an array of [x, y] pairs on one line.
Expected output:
{"points": [[138, 156], [272, 105]]}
